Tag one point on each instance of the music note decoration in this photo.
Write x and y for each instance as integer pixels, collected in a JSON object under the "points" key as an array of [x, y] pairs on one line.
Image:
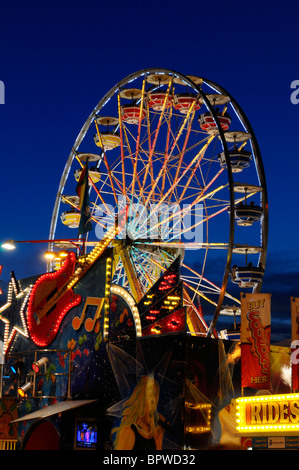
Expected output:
{"points": [[92, 310]]}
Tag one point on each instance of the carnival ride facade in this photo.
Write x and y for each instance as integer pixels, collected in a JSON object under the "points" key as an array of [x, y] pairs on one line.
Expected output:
{"points": [[178, 203]]}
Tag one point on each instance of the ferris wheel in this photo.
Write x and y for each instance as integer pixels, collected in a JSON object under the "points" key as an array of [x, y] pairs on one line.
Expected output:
{"points": [[179, 154]]}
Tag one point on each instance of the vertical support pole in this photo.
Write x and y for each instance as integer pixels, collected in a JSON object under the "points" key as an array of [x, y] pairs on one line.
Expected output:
{"points": [[34, 374], [69, 377]]}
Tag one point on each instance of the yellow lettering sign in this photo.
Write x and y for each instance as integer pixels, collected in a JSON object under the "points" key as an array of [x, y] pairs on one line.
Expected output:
{"points": [[280, 412], [273, 413], [255, 413], [261, 415]]}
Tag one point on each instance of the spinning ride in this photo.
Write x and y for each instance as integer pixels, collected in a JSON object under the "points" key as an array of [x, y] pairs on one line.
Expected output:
{"points": [[179, 154]]}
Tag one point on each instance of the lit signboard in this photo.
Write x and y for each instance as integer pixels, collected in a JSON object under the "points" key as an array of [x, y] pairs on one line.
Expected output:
{"points": [[268, 414], [174, 322], [161, 288], [166, 305], [85, 434]]}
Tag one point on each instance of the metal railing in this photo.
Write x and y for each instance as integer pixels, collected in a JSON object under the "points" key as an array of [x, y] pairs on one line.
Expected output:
{"points": [[9, 444], [29, 374]]}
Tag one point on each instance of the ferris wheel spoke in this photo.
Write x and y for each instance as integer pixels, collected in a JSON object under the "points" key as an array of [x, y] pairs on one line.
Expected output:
{"points": [[138, 138], [185, 142], [166, 151], [97, 191], [199, 293], [78, 209], [120, 123], [179, 216], [130, 155], [164, 171], [144, 172], [205, 284], [194, 160], [151, 148], [145, 269], [167, 159], [183, 126], [148, 126], [105, 161]]}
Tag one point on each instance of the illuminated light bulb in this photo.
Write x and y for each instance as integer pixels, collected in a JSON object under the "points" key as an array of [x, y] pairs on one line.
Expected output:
{"points": [[36, 366], [49, 255], [22, 391], [8, 245], [63, 254]]}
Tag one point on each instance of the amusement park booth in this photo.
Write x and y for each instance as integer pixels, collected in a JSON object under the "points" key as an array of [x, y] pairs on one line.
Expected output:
{"points": [[111, 370]]}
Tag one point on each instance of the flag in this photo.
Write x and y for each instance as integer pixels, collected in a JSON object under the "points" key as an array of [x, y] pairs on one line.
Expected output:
{"points": [[82, 191], [255, 340]]}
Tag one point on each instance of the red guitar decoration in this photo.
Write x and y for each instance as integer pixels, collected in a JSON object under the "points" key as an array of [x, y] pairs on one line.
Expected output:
{"points": [[52, 295], [50, 300]]}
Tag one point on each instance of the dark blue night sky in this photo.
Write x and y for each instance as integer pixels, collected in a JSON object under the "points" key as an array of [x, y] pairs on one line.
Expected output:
{"points": [[59, 58]]}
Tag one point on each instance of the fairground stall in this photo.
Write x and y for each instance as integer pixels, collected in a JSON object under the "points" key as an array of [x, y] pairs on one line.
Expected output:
{"points": [[116, 345]]}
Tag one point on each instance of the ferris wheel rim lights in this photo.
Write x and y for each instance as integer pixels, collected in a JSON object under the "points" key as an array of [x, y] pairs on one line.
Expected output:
{"points": [[163, 77]]}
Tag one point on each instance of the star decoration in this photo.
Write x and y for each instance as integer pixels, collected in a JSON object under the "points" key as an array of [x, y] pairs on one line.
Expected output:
{"points": [[14, 312]]}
